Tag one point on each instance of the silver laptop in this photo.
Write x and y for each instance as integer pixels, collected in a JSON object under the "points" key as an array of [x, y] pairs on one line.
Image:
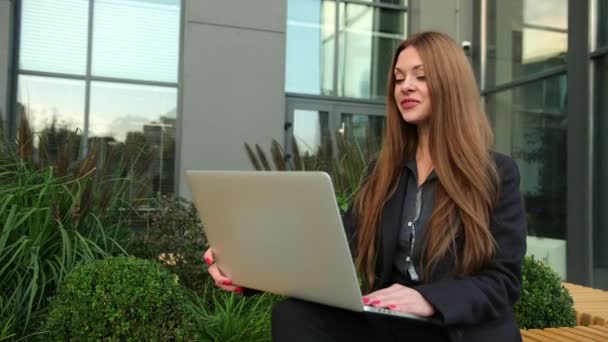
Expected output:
{"points": [[280, 232]]}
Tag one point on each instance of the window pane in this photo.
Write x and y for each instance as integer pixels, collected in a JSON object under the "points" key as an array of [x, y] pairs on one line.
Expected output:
{"points": [[52, 102], [368, 38], [602, 22], [54, 36], [310, 47], [143, 115], [136, 39], [530, 125], [311, 132], [600, 232], [364, 130], [525, 37]]}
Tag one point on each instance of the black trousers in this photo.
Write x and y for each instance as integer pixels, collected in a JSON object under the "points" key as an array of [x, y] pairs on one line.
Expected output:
{"points": [[295, 320]]}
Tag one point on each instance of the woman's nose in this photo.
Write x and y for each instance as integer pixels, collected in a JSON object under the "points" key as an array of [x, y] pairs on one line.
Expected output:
{"points": [[407, 85]]}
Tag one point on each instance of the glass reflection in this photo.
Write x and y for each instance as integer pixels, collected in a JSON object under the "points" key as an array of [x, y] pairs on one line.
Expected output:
{"points": [[310, 47], [525, 37], [52, 102], [530, 125], [366, 131], [368, 37], [311, 132], [142, 116]]}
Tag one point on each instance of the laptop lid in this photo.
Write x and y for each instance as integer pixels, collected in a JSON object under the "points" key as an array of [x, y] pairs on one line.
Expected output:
{"points": [[279, 232]]}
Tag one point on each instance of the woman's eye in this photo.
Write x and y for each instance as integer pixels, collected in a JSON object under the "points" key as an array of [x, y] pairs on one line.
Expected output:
{"points": [[421, 78], [399, 80]]}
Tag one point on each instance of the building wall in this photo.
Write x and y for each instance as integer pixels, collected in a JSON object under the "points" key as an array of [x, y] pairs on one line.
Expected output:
{"points": [[453, 17], [233, 75], [5, 39]]}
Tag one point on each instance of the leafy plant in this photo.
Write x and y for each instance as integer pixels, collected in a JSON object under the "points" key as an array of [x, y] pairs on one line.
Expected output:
{"points": [[172, 233], [544, 301], [120, 299], [57, 212], [225, 316], [5, 327], [44, 236], [346, 167]]}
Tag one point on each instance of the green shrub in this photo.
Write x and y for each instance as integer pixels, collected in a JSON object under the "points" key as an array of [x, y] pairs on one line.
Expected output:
{"points": [[544, 302], [171, 233], [119, 299]]}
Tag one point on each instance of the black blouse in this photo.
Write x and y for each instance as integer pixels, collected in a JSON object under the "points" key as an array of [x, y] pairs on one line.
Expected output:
{"points": [[417, 209]]}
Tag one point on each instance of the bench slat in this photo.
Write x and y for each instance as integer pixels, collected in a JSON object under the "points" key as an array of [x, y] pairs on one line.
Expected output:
{"points": [[585, 335]]}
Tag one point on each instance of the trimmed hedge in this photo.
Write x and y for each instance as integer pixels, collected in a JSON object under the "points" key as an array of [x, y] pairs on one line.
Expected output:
{"points": [[544, 301], [120, 299]]}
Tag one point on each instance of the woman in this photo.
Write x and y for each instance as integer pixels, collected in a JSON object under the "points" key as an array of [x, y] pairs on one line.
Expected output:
{"points": [[438, 227]]}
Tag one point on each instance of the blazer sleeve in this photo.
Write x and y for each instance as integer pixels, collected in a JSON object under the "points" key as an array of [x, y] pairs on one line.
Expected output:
{"points": [[493, 292]]}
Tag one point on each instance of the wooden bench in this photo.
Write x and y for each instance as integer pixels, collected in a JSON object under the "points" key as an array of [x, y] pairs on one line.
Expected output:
{"points": [[590, 333], [591, 305]]}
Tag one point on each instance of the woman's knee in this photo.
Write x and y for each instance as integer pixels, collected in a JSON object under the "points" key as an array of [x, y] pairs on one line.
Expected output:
{"points": [[297, 320], [293, 312]]}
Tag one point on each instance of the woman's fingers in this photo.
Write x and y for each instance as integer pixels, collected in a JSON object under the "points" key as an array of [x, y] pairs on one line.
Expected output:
{"points": [[395, 297], [385, 297], [220, 280], [400, 298], [208, 256]]}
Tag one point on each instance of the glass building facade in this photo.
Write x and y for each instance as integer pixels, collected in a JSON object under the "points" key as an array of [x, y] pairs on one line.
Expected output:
{"points": [[337, 61], [542, 73], [524, 84], [106, 69], [110, 69]]}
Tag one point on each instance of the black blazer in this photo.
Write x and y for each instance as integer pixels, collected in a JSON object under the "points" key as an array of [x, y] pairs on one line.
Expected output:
{"points": [[476, 308]]}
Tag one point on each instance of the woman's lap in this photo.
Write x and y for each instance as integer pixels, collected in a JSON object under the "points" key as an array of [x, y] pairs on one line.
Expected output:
{"points": [[296, 320]]}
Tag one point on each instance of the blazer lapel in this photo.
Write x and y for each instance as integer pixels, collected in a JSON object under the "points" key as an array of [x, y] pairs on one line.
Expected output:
{"points": [[389, 231]]}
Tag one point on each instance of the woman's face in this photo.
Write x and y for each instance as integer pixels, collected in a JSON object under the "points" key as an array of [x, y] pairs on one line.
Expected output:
{"points": [[411, 91]]}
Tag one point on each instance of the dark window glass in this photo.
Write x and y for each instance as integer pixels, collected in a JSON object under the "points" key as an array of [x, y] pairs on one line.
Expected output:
{"points": [[600, 186], [530, 126], [602, 22]]}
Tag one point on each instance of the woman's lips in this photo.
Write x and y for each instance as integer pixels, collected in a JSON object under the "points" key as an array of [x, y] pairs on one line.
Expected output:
{"points": [[407, 104]]}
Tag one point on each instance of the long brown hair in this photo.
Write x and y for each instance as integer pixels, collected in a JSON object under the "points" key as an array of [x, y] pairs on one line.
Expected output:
{"points": [[459, 145]]}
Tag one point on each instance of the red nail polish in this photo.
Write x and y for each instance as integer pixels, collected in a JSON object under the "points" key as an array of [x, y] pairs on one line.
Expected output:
{"points": [[376, 302], [365, 300], [227, 282], [208, 261], [392, 306], [239, 290]]}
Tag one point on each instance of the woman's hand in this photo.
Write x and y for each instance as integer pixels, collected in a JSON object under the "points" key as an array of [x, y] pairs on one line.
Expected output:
{"points": [[220, 280], [400, 298]]}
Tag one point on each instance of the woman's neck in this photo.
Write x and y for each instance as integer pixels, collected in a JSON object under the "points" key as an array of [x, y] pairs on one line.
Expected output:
{"points": [[422, 150], [424, 163]]}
